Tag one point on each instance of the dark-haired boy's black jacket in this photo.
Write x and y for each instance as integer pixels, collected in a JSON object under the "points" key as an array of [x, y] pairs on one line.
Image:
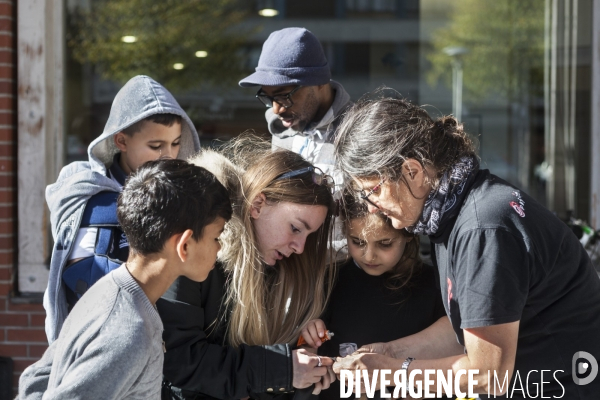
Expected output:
{"points": [[198, 363]]}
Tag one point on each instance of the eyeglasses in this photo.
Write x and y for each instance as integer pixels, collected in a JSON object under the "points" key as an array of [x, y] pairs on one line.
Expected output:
{"points": [[284, 100], [318, 177], [365, 197]]}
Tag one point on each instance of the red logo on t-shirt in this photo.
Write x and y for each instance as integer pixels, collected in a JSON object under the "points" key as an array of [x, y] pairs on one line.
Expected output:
{"points": [[449, 292], [517, 207]]}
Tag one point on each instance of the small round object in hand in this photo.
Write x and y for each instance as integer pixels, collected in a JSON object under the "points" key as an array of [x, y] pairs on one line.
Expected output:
{"points": [[319, 363], [347, 348]]}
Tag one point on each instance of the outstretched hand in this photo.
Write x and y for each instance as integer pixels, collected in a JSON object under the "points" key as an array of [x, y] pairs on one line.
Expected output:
{"points": [[379, 348], [363, 361]]}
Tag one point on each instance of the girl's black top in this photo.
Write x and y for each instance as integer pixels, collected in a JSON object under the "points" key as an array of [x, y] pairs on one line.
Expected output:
{"points": [[363, 310]]}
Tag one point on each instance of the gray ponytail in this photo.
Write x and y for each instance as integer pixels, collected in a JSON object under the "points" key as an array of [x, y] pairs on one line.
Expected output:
{"points": [[377, 135]]}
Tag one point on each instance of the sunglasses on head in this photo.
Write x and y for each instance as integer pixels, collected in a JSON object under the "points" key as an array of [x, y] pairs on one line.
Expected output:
{"points": [[318, 176]]}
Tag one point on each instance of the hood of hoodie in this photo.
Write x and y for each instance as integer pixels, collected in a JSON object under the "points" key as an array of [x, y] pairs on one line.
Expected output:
{"points": [[67, 197], [140, 98], [340, 102]]}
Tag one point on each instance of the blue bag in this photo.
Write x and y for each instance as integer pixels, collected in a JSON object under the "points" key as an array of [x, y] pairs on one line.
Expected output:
{"points": [[111, 248]]}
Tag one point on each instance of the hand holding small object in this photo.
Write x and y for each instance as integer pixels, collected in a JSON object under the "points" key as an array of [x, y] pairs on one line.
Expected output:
{"points": [[347, 348], [309, 368], [363, 361], [314, 334], [328, 378]]}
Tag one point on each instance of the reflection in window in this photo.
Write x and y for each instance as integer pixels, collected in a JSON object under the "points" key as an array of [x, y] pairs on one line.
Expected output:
{"points": [[371, 5], [310, 9], [509, 51], [500, 69]]}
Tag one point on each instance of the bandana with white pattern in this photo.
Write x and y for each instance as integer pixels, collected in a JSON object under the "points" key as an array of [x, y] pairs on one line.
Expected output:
{"points": [[446, 197]]}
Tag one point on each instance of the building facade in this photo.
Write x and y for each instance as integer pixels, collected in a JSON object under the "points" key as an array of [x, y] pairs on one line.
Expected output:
{"points": [[22, 337]]}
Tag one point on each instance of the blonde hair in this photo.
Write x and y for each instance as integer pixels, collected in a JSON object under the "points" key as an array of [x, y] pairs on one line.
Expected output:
{"points": [[410, 263], [257, 294]]}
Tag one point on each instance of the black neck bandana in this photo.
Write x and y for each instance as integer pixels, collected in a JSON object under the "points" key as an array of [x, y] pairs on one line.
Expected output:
{"points": [[444, 202], [116, 170]]}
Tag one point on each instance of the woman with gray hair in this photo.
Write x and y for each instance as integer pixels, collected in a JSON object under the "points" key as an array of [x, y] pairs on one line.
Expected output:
{"points": [[521, 294]]}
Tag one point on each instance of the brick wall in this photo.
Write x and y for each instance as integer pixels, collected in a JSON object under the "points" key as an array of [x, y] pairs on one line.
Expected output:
{"points": [[22, 334]]}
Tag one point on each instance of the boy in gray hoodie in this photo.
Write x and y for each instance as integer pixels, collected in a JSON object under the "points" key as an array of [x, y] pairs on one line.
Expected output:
{"points": [[110, 347], [145, 123]]}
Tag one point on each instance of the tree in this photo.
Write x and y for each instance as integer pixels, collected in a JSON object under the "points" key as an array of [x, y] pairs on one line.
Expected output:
{"points": [[505, 43], [504, 59], [166, 32]]}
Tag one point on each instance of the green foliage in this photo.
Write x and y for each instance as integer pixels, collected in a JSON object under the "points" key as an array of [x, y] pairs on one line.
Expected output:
{"points": [[167, 32], [505, 43]]}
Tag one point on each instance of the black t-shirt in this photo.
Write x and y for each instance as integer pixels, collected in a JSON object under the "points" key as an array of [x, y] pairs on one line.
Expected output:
{"points": [[506, 258], [363, 310]]}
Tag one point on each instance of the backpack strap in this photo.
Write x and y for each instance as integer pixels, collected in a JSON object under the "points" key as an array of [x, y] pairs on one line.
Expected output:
{"points": [[101, 210], [111, 248]]}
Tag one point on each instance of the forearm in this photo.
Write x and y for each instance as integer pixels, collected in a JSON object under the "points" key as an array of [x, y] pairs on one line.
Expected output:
{"points": [[226, 372], [489, 360], [461, 375], [34, 380], [464, 374], [197, 360], [436, 341], [108, 367]]}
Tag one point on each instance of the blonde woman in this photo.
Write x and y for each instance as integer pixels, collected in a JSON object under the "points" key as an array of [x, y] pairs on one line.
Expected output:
{"points": [[232, 336]]}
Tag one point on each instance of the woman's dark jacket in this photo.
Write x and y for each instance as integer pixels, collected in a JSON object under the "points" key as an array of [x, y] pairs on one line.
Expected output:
{"points": [[198, 362]]}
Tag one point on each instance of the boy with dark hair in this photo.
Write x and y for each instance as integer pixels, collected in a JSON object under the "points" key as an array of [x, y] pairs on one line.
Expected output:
{"points": [[145, 123], [111, 345]]}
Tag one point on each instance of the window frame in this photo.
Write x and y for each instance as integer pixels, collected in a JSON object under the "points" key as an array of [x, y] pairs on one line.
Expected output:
{"points": [[40, 155]]}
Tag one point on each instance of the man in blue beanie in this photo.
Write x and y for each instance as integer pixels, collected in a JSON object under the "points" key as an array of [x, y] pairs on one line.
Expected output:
{"points": [[303, 103]]}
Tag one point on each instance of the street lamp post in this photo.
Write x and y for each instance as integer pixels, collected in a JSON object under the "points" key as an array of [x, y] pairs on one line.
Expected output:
{"points": [[455, 53]]}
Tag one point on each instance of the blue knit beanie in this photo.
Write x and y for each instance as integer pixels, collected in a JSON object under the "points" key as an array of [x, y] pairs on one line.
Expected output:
{"points": [[291, 56]]}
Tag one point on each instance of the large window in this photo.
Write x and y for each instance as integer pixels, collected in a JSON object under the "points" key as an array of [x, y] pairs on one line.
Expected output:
{"points": [[516, 72]]}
